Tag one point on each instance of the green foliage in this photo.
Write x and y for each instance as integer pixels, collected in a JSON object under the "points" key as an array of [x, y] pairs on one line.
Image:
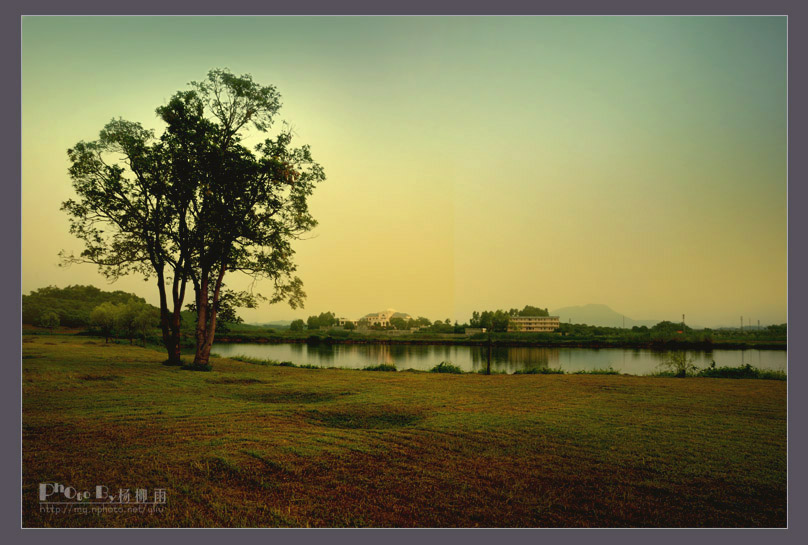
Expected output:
{"points": [[529, 311], [679, 364], [196, 203], [380, 367], [105, 318], [670, 334], [744, 371], [497, 320], [297, 325], [399, 323], [606, 371], [539, 371], [324, 319], [73, 304], [128, 320], [446, 367], [48, 319], [254, 361], [146, 320]]}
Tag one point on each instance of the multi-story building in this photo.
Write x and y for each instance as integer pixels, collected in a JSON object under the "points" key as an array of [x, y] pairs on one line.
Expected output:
{"points": [[533, 323], [381, 319]]}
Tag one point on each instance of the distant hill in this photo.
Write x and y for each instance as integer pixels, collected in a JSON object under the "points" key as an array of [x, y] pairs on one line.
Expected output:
{"points": [[73, 304], [599, 315]]}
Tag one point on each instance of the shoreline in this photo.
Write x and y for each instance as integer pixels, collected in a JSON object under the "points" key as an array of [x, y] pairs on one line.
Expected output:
{"points": [[506, 343]]}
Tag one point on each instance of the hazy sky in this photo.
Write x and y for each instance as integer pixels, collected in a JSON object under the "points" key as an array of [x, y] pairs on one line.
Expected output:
{"points": [[472, 162]]}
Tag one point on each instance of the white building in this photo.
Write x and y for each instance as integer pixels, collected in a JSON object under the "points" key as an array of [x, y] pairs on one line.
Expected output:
{"points": [[533, 323], [381, 319]]}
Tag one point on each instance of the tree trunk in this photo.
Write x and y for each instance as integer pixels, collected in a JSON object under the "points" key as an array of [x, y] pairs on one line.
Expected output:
{"points": [[206, 318], [169, 326], [202, 302]]}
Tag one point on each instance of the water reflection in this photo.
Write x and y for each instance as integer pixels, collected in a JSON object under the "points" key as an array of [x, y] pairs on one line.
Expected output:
{"points": [[509, 359]]}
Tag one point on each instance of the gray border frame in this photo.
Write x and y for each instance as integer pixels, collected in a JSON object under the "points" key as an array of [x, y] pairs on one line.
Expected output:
{"points": [[10, 219]]}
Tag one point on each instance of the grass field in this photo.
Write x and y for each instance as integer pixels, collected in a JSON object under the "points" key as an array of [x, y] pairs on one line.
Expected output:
{"points": [[248, 445]]}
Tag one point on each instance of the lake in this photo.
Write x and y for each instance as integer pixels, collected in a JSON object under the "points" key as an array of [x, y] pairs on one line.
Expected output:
{"points": [[508, 359]]}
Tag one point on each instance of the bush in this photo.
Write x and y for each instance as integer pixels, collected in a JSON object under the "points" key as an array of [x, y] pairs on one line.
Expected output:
{"points": [[446, 367], [745, 371], [607, 371], [539, 371], [380, 367], [48, 319], [679, 364], [254, 361]]}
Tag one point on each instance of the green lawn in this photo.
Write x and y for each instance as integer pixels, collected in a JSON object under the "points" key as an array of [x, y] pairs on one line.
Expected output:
{"points": [[251, 445]]}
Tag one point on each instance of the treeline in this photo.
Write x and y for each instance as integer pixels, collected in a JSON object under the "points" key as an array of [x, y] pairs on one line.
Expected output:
{"points": [[71, 305], [495, 320], [109, 313], [328, 319], [667, 331]]}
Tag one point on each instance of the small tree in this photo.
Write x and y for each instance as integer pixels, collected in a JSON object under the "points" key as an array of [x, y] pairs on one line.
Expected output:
{"points": [[147, 319], [48, 319], [327, 319], [680, 364], [349, 326], [398, 323], [104, 318], [127, 319], [297, 325]]}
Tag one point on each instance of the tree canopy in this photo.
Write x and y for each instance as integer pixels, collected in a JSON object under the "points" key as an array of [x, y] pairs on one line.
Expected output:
{"points": [[196, 203]]}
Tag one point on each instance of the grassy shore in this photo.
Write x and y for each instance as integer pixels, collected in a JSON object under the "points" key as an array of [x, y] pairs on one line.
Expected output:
{"points": [[250, 445]]}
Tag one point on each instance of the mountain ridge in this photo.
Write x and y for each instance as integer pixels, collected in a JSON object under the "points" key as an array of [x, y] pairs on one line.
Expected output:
{"points": [[598, 315]]}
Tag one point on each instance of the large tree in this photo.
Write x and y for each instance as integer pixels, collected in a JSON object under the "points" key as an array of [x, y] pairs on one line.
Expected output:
{"points": [[195, 204]]}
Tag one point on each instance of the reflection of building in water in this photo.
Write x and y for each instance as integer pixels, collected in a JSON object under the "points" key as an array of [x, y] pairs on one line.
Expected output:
{"points": [[534, 357], [533, 323], [379, 353], [512, 358]]}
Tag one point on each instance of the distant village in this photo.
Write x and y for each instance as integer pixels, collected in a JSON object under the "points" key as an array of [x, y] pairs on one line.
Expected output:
{"points": [[391, 318]]}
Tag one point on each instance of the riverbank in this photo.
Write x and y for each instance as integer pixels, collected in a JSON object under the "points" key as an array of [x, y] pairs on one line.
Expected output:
{"points": [[508, 341], [252, 445], [548, 340]]}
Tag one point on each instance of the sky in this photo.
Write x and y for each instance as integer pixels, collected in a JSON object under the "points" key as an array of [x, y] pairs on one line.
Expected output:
{"points": [[472, 163]]}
